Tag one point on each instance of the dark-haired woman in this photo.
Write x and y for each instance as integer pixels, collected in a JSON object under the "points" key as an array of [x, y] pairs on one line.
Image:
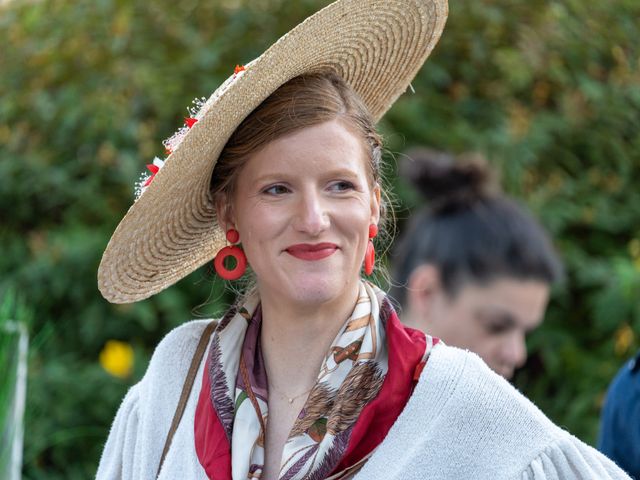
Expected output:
{"points": [[474, 268]]}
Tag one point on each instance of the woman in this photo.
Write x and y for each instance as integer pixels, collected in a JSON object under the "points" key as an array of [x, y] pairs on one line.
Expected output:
{"points": [[310, 374], [474, 268]]}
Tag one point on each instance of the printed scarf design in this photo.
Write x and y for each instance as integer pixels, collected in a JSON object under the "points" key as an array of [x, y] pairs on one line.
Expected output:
{"points": [[351, 376]]}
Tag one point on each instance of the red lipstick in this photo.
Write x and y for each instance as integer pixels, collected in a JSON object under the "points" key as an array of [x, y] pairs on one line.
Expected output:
{"points": [[312, 252]]}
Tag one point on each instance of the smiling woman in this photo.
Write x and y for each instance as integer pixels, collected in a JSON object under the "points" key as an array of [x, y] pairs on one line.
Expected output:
{"points": [[310, 375], [307, 158]]}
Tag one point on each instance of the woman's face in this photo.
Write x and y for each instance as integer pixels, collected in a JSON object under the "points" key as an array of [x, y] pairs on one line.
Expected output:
{"points": [[491, 320], [303, 205]]}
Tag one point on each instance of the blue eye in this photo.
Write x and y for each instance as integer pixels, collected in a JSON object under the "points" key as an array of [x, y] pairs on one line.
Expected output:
{"points": [[276, 190], [342, 186]]}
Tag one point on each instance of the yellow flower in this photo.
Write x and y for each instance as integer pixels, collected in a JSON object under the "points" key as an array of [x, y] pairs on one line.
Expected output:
{"points": [[624, 337], [634, 250], [117, 358]]}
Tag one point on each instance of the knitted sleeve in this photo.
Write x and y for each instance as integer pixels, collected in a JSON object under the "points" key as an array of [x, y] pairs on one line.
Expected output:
{"points": [[121, 449], [139, 431], [570, 459]]}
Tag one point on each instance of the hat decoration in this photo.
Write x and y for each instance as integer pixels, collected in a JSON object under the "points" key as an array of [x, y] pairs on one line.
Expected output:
{"points": [[171, 143], [147, 177]]}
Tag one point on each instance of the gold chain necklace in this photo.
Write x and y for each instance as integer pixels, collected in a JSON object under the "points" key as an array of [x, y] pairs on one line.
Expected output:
{"points": [[291, 399]]}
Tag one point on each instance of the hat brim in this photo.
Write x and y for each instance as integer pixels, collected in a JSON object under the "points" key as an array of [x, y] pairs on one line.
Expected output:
{"points": [[377, 47]]}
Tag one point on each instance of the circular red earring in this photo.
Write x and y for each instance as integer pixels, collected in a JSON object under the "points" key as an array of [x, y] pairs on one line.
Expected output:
{"points": [[234, 252], [370, 255]]}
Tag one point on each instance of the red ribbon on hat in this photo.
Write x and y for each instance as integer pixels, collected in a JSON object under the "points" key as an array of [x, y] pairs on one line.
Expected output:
{"points": [[153, 169], [190, 121]]}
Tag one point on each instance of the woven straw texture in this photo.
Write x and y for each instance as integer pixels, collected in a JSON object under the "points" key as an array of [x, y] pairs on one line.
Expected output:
{"points": [[376, 46]]}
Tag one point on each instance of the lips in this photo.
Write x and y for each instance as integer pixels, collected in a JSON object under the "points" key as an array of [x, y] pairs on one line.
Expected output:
{"points": [[312, 252]]}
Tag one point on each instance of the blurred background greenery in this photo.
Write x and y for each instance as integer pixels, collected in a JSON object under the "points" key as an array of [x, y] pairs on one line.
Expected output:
{"points": [[548, 90]]}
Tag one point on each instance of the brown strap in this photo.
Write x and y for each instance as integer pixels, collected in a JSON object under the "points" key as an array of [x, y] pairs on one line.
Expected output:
{"points": [[186, 388], [251, 395]]}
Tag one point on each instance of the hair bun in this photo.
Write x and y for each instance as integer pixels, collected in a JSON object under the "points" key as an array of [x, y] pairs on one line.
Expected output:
{"points": [[447, 181]]}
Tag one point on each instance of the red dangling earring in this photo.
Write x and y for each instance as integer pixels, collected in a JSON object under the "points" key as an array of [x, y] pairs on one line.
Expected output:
{"points": [[370, 255], [231, 251]]}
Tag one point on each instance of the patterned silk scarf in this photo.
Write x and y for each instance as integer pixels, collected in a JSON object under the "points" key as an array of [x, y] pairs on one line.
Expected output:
{"points": [[347, 412]]}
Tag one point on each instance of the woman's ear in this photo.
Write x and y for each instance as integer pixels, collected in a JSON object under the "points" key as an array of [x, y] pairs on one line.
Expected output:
{"points": [[422, 289], [375, 204], [224, 212]]}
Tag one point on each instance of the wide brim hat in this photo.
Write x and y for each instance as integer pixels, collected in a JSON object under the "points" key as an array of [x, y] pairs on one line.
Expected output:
{"points": [[376, 46]]}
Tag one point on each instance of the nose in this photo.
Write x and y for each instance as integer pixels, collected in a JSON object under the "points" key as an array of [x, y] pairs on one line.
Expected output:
{"points": [[311, 217], [515, 350]]}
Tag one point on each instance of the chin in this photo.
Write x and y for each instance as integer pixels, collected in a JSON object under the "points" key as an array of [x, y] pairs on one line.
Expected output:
{"points": [[507, 373], [315, 289], [316, 293]]}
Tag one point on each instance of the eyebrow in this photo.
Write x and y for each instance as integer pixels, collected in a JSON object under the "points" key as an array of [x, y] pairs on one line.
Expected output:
{"points": [[505, 318], [284, 176]]}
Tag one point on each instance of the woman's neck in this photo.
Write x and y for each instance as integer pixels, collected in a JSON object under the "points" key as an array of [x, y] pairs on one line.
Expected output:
{"points": [[295, 338]]}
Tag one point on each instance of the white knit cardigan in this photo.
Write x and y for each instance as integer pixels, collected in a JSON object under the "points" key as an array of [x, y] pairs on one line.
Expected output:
{"points": [[462, 422]]}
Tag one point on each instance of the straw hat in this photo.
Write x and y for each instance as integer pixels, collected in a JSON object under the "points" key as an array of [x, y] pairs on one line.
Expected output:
{"points": [[376, 46]]}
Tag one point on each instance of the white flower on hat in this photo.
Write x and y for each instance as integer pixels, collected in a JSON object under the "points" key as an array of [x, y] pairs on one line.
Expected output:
{"points": [[171, 143], [146, 178]]}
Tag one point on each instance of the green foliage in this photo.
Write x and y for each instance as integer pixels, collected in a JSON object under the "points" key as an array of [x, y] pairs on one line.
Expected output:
{"points": [[548, 90]]}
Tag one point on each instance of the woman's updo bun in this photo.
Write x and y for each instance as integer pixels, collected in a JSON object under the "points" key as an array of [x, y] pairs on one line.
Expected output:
{"points": [[469, 230], [447, 182]]}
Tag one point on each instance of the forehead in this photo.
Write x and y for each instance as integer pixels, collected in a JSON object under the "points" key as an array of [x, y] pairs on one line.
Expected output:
{"points": [[523, 301], [324, 147]]}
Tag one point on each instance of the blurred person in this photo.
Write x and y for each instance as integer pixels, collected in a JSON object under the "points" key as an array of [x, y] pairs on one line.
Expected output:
{"points": [[619, 437], [310, 374], [474, 268]]}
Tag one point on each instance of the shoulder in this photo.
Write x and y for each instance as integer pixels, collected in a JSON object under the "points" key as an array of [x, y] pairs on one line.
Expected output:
{"points": [[623, 398], [466, 385], [167, 369], [626, 384], [486, 427], [180, 342], [619, 436]]}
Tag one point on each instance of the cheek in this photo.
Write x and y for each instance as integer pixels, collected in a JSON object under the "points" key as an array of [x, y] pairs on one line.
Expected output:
{"points": [[450, 322], [260, 223], [353, 219], [253, 237], [467, 326]]}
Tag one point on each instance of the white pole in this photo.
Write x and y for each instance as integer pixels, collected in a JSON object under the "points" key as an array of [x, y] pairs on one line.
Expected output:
{"points": [[19, 399]]}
